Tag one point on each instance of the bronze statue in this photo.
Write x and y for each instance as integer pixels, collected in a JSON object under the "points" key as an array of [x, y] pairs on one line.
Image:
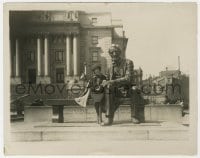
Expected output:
{"points": [[119, 83]]}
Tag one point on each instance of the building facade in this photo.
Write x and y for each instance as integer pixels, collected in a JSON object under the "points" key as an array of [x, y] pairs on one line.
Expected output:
{"points": [[170, 87], [137, 77], [57, 46]]}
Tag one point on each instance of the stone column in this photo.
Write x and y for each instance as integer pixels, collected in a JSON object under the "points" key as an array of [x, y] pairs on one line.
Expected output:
{"points": [[17, 58], [16, 79], [42, 78], [68, 55], [46, 52], [11, 59], [38, 56], [75, 54]]}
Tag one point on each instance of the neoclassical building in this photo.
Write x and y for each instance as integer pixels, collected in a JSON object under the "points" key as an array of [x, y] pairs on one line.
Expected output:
{"points": [[57, 46]]}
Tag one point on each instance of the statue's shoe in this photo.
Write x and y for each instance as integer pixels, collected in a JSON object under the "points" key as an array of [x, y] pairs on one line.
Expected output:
{"points": [[102, 124], [108, 122], [135, 120]]}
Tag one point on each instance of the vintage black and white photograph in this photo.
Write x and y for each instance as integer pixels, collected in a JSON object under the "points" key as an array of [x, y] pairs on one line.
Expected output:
{"points": [[100, 78]]}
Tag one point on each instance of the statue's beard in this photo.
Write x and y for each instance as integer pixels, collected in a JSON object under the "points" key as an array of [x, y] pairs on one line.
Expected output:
{"points": [[115, 61]]}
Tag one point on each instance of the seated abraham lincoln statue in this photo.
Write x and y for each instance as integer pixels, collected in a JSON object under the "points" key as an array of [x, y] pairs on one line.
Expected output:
{"points": [[119, 82]]}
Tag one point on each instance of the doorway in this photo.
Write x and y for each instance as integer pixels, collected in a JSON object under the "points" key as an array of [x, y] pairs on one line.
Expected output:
{"points": [[32, 76], [60, 75]]}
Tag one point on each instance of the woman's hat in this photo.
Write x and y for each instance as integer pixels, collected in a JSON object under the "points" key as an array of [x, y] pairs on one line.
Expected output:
{"points": [[96, 66]]}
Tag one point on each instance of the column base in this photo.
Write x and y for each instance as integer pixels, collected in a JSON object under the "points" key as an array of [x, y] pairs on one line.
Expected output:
{"points": [[79, 83], [43, 80], [15, 80], [72, 79]]}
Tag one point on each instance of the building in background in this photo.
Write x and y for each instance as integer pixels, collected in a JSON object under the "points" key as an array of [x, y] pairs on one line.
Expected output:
{"points": [[137, 77], [171, 86], [57, 46]]}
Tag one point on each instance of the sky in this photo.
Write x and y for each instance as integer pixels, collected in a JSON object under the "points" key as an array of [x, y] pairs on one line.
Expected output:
{"points": [[157, 34]]}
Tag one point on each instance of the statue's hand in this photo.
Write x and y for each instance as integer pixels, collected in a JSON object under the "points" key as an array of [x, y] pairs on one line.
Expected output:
{"points": [[111, 82], [104, 83], [107, 83]]}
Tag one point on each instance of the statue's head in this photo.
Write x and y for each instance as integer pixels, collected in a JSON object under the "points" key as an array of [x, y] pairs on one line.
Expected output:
{"points": [[115, 53]]}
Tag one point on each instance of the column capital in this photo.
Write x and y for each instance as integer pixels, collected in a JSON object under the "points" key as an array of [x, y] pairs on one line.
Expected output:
{"points": [[39, 35], [71, 33], [75, 34], [16, 38], [46, 34], [42, 34], [68, 34]]}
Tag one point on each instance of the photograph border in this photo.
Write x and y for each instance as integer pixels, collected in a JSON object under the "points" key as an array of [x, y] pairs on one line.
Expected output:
{"points": [[92, 148]]}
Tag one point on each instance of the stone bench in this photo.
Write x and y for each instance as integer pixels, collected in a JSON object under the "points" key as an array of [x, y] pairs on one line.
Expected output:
{"points": [[38, 114], [163, 112], [147, 113], [75, 113], [88, 114]]}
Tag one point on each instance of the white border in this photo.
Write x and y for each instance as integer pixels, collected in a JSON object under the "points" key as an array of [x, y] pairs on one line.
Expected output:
{"points": [[1, 57]]}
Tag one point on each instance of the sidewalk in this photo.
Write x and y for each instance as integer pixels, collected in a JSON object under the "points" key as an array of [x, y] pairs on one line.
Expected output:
{"points": [[92, 131]]}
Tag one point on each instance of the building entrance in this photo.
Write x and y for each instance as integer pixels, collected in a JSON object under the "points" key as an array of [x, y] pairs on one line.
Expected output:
{"points": [[32, 76], [60, 75]]}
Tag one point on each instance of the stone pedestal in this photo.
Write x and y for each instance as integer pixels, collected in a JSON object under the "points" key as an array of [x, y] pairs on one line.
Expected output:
{"points": [[38, 114], [75, 114], [15, 80], [68, 79], [71, 79], [43, 80], [163, 112]]}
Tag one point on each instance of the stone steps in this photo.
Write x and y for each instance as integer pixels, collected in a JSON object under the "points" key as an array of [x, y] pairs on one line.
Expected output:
{"points": [[94, 132]]}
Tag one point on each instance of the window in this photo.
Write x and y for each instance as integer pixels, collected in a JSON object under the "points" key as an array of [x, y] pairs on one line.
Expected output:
{"points": [[59, 56], [31, 76], [59, 78], [94, 39], [31, 56], [95, 56], [94, 20], [60, 75]]}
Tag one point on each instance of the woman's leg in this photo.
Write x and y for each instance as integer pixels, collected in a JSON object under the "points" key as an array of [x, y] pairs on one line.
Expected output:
{"points": [[100, 113], [96, 105]]}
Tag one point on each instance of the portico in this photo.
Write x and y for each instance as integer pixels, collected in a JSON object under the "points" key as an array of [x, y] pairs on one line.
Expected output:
{"points": [[61, 42], [43, 57]]}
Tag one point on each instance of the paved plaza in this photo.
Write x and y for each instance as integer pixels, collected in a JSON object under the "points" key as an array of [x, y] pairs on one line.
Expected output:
{"points": [[91, 131]]}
